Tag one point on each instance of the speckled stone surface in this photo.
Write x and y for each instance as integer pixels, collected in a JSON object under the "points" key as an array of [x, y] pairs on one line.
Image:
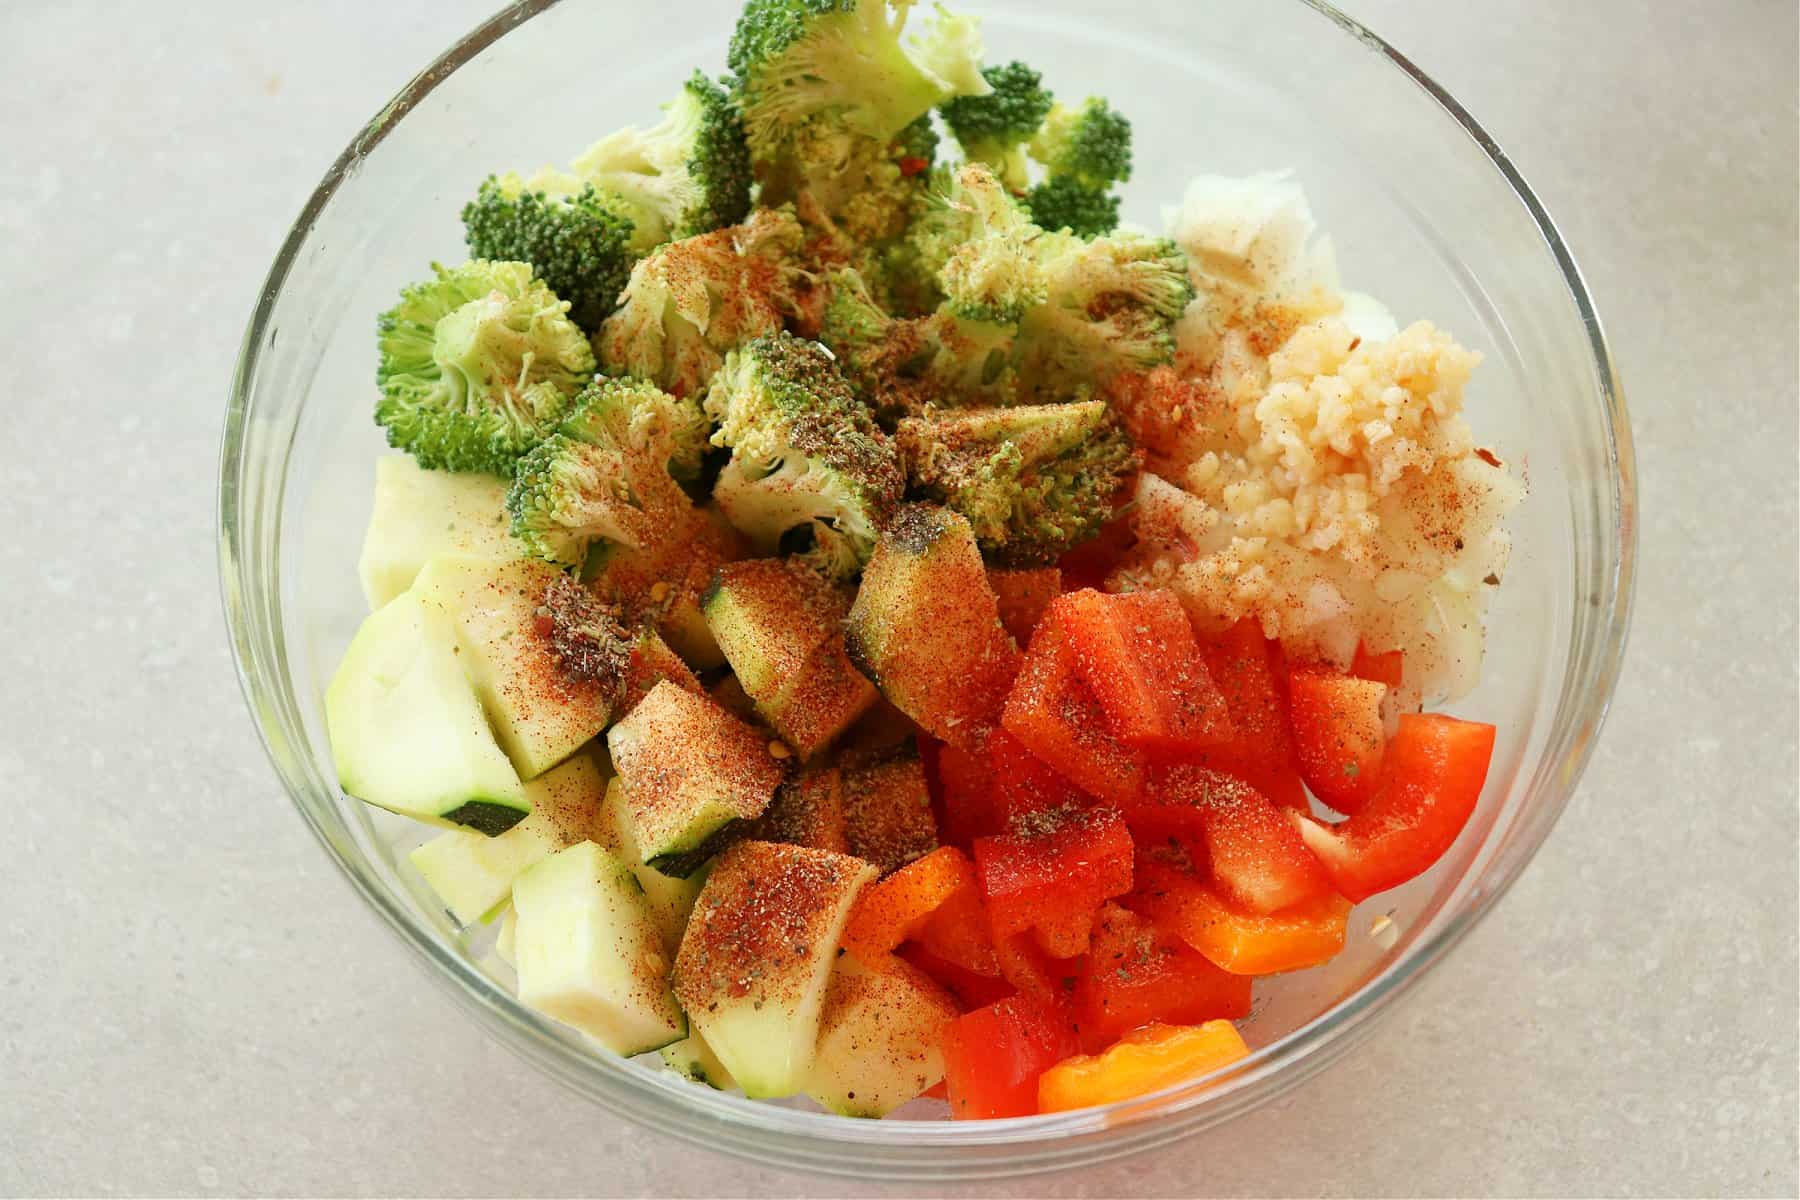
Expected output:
{"points": [[193, 1002]]}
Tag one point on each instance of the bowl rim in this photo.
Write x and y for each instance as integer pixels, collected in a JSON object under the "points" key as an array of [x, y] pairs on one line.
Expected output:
{"points": [[742, 1124]]}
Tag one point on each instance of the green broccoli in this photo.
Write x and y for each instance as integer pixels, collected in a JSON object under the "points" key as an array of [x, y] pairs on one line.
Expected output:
{"points": [[686, 175], [854, 190], [610, 473], [691, 301], [579, 242], [1064, 202], [1111, 304], [984, 246], [918, 144], [1085, 151], [1091, 144], [806, 454], [899, 366], [993, 129], [843, 64], [477, 365], [1032, 481]]}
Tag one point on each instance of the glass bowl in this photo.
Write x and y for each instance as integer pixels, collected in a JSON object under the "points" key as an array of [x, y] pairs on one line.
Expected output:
{"points": [[1426, 213]]}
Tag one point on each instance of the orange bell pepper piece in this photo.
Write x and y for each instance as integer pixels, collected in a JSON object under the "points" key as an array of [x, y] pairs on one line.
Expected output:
{"points": [[1141, 1062], [889, 912], [1234, 938]]}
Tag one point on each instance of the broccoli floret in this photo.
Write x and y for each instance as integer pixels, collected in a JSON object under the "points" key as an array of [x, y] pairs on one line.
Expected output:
{"points": [[854, 190], [848, 65], [610, 472], [1091, 144], [691, 301], [918, 145], [1065, 202], [993, 129], [477, 365], [899, 366], [686, 175], [579, 242], [1033, 481], [1084, 151], [1111, 304], [985, 245], [805, 452]]}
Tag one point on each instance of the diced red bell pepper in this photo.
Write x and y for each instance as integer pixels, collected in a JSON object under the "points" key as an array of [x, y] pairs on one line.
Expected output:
{"points": [[1025, 965], [971, 989], [1433, 772], [1135, 974], [1252, 851], [1232, 937], [994, 1055], [966, 807], [1138, 655], [1066, 936], [958, 933], [1090, 563], [888, 912], [1388, 667], [1338, 735], [1054, 714], [1024, 593], [1244, 667], [1065, 864], [1023, 783]]}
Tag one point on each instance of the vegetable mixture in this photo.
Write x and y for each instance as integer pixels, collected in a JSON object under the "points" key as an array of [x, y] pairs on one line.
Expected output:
{"points": [[874, 626]]}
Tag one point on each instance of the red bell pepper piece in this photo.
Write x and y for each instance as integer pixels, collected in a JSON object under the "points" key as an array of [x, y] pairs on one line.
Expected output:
{"points": [[1064, 864], [994, 1055], [1433, 772], [1135, 975], [1023, 783], [1253, 853], [966, 795], [1388, 667], [1090, 563], [1055, 715], [1138, 655], [1338, 735]]}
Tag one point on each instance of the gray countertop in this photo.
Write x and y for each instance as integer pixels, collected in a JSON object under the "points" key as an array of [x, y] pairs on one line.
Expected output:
{"points": [[194, 1002]]}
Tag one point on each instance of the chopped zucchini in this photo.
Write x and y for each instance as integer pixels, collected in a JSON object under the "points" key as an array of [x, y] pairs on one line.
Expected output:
{"points": [[589, 953], [664, 585], [407, 732], [473, 874], [670, 898], [887, 812], [879, 1038], [652, 661], [689, 768], [758, 953], [506, 941], [543, 706], [808, 810], [926, 626], [693, 1058], [780, 626], [421, 514]]}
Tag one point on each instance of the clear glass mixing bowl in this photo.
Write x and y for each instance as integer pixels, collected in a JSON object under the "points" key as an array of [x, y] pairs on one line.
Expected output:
{"points": [[1426, 212]]}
